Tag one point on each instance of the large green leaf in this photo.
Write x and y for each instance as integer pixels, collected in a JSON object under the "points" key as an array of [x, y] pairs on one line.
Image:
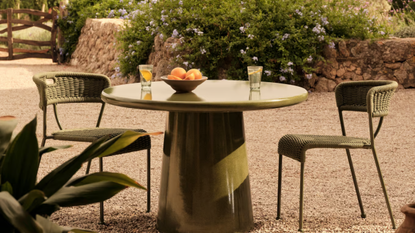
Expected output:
{"points": [[21, 163], [51, 227], [7, 187], [85, 194], [126, 139], [55, 180], [44, 150], [105, 176], [32, 199], [11, 210], [7, 125], [102, 147]]}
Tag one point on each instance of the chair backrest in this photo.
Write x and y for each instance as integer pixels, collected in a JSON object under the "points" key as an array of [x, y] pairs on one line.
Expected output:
{"points": [[66, 87], [371, 96]]}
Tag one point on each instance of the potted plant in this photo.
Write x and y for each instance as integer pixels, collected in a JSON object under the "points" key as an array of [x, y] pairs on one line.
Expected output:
{"points": [[25, 205]]}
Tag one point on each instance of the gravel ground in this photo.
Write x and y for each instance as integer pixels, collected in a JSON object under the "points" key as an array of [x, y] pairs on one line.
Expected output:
{"points": [[330, 201]]}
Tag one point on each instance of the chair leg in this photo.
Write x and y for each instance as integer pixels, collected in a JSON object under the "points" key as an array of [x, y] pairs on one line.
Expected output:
{"points": [[349, 157], [101, 204], [279, 187], [301, 197], [384, 188], [148, 181]]}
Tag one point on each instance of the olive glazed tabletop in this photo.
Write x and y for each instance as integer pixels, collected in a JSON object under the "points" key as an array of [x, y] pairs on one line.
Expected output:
{"points": [[205, 180]]}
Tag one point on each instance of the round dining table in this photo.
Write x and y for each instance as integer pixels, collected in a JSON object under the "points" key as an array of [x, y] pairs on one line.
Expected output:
{"points": [[204, 178]]}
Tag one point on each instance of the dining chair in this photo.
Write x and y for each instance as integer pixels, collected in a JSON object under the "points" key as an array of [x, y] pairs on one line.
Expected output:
{"points": [[75, 88], [372, 97]]}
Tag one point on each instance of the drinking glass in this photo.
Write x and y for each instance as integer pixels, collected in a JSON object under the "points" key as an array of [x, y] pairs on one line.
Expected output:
{"points": [[146, 75], [254, 75]]}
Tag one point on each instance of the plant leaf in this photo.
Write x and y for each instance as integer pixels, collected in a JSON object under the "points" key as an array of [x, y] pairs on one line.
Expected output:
{"points": [[85, 194], [102, 147], [7, 125], [21, 163], [51, 227], [7, 187], [126, 139], [16, 215], [105, 176], [48, 226], [53, 181], [44, 150], [32, 199]]}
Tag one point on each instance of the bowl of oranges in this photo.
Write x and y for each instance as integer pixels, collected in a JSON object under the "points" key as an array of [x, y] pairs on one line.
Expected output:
{"points": [[184, 81]]}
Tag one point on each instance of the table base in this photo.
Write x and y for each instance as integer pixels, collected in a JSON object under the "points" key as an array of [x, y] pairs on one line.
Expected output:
{"points": [[205, 180]]}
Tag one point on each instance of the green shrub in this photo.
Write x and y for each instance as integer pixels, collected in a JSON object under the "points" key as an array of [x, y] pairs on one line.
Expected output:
{"points": [[286, 37], [406, 32]]}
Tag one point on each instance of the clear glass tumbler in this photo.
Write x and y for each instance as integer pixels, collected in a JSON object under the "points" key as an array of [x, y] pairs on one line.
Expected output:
{"points": [[146, 75], [254, 75]]}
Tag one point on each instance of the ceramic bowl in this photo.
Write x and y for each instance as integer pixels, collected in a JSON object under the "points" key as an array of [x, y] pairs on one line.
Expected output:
{"points": [[183, 85]]}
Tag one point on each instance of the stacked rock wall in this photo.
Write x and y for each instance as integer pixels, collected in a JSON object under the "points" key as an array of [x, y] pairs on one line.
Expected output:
{"points": [[392, 59], [96, 51]]}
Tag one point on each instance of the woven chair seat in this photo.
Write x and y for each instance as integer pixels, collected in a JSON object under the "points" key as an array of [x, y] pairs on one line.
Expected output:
{"points": [[295, 145], [92, 134]]}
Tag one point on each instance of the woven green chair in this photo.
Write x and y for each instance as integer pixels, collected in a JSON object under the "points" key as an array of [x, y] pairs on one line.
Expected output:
{"points": [[372, 97], [64, 88]]}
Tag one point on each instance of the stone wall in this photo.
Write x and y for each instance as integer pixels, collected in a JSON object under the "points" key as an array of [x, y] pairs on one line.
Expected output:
{"points": [[96, 51], [392, 59]]}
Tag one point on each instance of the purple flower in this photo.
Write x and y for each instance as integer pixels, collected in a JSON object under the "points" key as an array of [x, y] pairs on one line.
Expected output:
{"points": [[175, 33], [255, 58], [290, 63], [242, 29], [267, 72], [202, 50], [282, 78], [285, 36], [251, 36], [308, 76], [310, 59], [242, 51], [332, 45]]}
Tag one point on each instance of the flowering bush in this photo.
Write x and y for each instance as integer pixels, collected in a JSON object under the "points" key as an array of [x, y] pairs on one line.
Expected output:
{"points": [[285, 37]]}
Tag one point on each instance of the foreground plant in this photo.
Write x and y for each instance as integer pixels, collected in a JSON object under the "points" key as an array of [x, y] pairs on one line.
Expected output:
{"points": [[26, 205]]}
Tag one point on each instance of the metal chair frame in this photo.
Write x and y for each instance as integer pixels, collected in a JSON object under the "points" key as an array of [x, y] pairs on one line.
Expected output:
{"points": [[372, 97]]}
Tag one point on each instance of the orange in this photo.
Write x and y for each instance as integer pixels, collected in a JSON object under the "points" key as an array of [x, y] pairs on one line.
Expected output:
{"points": [[196, 72], [190, 77], [179, 72], [173, 77], [146, 74]]}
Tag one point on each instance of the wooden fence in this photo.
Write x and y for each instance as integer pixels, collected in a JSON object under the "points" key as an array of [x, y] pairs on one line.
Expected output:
{"points": [[19, 24]]}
